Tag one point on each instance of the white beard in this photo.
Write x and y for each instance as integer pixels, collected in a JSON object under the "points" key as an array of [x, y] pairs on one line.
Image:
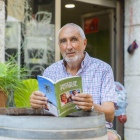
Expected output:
{"points": [[72, 59]]}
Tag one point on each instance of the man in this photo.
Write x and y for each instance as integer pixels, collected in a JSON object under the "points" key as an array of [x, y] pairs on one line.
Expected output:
{"points": [[63, 99], [97, 76], [74, 92]]}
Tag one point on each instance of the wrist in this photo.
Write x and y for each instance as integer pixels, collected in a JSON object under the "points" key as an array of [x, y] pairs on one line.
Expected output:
{"points": [[95, 106]]}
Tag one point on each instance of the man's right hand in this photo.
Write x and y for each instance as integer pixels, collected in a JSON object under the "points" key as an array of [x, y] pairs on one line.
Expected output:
{"points": [[38, 99]]}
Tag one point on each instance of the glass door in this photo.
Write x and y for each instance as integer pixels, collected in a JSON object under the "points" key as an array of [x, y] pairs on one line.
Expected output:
{"points": [[99, 30]]}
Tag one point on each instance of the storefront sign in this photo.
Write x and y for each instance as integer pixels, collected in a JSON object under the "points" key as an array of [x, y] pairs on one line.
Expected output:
{"points": [[15, 10], [91, 25]]}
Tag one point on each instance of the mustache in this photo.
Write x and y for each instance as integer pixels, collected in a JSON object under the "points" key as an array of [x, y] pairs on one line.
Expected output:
{"points": [[70, 51]]}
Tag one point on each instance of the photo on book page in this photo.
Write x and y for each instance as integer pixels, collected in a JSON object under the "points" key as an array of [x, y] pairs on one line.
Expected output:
{"points": [[66, 97], [51, 108]]}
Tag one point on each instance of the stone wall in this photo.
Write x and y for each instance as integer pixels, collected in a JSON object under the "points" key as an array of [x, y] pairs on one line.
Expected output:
{"points": [[2, 31], [132, 70]]}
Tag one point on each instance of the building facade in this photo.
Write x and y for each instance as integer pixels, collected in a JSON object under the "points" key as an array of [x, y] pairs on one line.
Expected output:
{"points": [[2, 31], [132, 69], [30, 27]]}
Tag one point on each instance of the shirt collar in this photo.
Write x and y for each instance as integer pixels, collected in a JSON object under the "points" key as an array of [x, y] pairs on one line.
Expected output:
{"points": [[85, 60], [83, 64]]}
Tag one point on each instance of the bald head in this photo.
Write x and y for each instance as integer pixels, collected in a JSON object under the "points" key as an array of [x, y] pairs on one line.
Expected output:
{"points": [[78, 28]]}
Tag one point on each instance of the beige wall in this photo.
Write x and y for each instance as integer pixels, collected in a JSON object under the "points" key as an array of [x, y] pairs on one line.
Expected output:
{"points": [[2, 32], [132, 71]]}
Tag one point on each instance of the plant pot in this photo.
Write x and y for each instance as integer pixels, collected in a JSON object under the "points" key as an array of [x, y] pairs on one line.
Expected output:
{"points": [[3, 99]]}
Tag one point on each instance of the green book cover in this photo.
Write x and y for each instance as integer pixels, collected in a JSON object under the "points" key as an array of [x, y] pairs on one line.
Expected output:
{"points": [[60, 94]]}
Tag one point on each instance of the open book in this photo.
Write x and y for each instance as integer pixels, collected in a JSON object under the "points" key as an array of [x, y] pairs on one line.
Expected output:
{"points": [[60, 94]]}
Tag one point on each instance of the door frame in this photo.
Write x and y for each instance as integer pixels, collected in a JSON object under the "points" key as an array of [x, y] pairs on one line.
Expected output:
{"points": [[112, 35], [57, 28], [107, 3]]}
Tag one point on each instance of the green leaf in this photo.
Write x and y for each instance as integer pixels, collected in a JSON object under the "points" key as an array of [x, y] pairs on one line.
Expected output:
{"points": [[2, 69], [22, 96]]}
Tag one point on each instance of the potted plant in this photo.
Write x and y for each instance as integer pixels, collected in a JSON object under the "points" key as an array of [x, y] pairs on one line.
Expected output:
{"points": [[22, 98], [11, 78]]}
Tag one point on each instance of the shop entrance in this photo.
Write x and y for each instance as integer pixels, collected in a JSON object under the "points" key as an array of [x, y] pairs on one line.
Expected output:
{"points": [[98, 24], [102, 23]]}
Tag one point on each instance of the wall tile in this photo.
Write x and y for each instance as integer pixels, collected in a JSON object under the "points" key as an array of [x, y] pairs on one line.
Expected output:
{"points": [[132, 86], [2, 31], [131, 134], [135, 4]]}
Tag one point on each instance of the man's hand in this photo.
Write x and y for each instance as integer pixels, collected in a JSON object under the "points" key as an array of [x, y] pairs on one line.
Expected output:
{"points": [[38, 99], [83, 101]]}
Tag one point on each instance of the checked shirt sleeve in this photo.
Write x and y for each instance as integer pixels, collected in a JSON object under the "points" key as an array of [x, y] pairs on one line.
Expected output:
{"points": [[108, 92], [47, 73]]}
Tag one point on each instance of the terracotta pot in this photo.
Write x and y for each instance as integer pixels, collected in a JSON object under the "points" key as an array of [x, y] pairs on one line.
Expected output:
{"points": [[3, 99]]}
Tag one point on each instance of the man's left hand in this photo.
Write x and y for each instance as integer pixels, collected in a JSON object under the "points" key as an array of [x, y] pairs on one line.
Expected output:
{"points": [[83, 101]]}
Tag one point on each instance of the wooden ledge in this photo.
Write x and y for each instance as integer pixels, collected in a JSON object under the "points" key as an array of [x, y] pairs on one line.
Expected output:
{"points": [[40, 112]]}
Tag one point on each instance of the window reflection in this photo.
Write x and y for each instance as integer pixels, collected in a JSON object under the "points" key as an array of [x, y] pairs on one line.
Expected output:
{"points": [[30, 29]]}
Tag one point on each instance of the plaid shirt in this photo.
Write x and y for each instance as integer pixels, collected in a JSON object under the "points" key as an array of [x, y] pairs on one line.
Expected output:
{"points": [[97, 79]]}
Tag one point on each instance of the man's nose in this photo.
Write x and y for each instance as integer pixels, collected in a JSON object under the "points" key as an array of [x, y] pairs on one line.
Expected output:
{"points": [[69, 45]]}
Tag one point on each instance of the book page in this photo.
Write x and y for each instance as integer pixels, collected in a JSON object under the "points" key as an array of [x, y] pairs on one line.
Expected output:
{"points": [[65, 89], [52, 109]]}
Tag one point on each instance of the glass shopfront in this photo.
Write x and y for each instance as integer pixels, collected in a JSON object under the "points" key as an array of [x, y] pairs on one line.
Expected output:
{"points": [[30, 33]]}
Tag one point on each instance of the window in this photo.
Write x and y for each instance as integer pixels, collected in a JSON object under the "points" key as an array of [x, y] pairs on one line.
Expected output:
{"points": [[30, 32]]}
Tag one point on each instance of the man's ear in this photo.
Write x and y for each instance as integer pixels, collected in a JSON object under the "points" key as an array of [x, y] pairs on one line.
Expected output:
{"points": [[84, 44]]}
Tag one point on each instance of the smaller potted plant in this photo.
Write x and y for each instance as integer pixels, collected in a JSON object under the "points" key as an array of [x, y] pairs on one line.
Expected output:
{"points": [[11, 78]]}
